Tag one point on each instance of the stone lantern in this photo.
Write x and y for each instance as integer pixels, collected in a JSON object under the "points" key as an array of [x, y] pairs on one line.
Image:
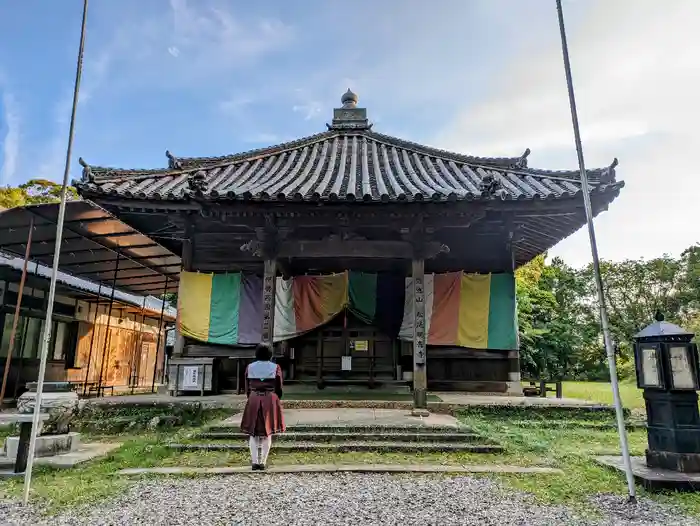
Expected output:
{"points": [[667, 370]]}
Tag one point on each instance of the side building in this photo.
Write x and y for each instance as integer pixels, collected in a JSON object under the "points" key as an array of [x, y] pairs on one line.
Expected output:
{"points": [[104, 339], [362, 257], [92, 345]]}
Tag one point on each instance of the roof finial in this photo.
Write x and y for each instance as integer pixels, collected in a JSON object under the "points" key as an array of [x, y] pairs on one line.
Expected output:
{"points": [[522, 160], [349, 116], [349, 99], [173, 162], [87, 172]]}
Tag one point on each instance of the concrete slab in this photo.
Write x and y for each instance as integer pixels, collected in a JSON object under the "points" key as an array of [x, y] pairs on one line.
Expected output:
{"points": [[84, 453], [345, 468], [652, 478], [11, 417], [356, 417]]}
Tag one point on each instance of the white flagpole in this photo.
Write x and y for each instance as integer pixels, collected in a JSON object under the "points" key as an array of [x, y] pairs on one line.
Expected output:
{"points": [[46, 336], [596, 264]]}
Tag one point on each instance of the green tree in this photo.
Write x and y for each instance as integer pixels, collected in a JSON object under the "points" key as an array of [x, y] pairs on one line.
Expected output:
{"points": [[560, 322], [33, 192], [536, 307]]}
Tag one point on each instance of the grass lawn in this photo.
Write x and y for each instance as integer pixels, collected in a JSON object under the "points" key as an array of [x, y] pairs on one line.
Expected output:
{"points": [[572, 449], [602, 392]]}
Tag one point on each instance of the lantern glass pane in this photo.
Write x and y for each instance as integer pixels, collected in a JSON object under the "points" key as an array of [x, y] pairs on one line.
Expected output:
{"points": [[650, 367], [681, 368]]}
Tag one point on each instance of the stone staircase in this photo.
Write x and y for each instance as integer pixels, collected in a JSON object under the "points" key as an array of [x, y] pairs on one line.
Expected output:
{"points": [[397, 434]]}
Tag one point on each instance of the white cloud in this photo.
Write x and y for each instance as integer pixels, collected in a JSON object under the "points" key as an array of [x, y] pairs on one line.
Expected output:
{"points": [[308, 109], [211, 34], [10, 145], [637, 77], [206, 36], [237, 103]]}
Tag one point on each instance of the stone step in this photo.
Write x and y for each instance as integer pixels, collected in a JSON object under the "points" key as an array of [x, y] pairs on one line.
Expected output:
{"points": [[342, 447], [341, 436], [353, 428]]}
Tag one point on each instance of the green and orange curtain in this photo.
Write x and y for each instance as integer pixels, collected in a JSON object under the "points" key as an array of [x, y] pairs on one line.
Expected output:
{"points": [[304, 303], [466, 310]]}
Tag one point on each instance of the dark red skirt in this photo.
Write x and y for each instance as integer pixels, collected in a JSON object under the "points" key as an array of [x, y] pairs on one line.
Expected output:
{"points": [[262, 415]]}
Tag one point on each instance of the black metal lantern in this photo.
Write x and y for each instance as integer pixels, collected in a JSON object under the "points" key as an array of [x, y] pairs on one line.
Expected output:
{"points": [[667, 370], [665, 358]]}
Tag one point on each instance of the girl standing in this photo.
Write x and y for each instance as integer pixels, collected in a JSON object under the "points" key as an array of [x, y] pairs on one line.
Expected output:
{"points": [[262, 416]]}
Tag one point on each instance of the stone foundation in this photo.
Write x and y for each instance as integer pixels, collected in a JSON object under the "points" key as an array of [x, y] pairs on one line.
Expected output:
{"points": [[681, 462], [46, 445], [57, 400]]}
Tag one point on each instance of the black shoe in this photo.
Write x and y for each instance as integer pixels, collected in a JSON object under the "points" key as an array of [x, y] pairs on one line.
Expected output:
{"points": [[257, 467], [261, 467]]}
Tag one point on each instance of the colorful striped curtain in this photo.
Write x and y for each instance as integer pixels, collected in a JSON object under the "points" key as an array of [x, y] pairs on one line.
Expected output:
{"points": [[303, 303], [468, 310], [220, 308]]}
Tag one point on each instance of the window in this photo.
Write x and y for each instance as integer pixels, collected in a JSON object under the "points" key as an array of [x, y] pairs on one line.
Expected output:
{"points": [[70, 344], [59, 340], [64, 338], [32, 337]]}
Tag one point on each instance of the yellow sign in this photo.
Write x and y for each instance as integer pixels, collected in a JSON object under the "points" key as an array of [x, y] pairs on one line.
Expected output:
{"points": [[361, 345]]}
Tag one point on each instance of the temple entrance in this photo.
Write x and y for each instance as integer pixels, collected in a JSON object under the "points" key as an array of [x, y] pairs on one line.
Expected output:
{"points": [[344, 351]]}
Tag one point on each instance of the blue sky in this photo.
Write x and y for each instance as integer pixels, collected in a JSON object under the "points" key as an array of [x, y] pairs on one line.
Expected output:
{"points": [[212, 77]]}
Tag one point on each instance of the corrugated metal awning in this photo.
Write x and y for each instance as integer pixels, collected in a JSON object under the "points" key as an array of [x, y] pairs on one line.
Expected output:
{"points": [[95, 245]]}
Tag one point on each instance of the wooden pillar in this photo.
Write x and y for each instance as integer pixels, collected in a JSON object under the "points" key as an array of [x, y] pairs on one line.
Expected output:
{"points": [[187, 252], [514, 385], [420, 379], [270, 274]]}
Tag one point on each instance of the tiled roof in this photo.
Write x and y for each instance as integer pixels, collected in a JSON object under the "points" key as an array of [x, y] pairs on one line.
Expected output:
{"points": [[349, 162]]}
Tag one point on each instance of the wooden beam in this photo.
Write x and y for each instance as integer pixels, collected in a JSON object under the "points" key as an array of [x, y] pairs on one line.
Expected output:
{"points": [[356, 249]]}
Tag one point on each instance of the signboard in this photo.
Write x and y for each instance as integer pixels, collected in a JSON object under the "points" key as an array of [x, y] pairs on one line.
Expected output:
{"points": [[681, 368], [346, 363], [650, 368], [360, 345], [190, 377]]}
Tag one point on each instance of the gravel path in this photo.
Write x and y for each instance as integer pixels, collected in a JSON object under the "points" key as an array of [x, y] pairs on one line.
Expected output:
{"points": [[339, 499]]}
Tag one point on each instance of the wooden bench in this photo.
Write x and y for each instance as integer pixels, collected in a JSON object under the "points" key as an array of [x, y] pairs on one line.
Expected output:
{"points": [[25, 430], [543, 389]]}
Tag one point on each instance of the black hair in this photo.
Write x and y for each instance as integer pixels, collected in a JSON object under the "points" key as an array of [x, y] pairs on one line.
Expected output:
{"points": [[263, 353]]}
